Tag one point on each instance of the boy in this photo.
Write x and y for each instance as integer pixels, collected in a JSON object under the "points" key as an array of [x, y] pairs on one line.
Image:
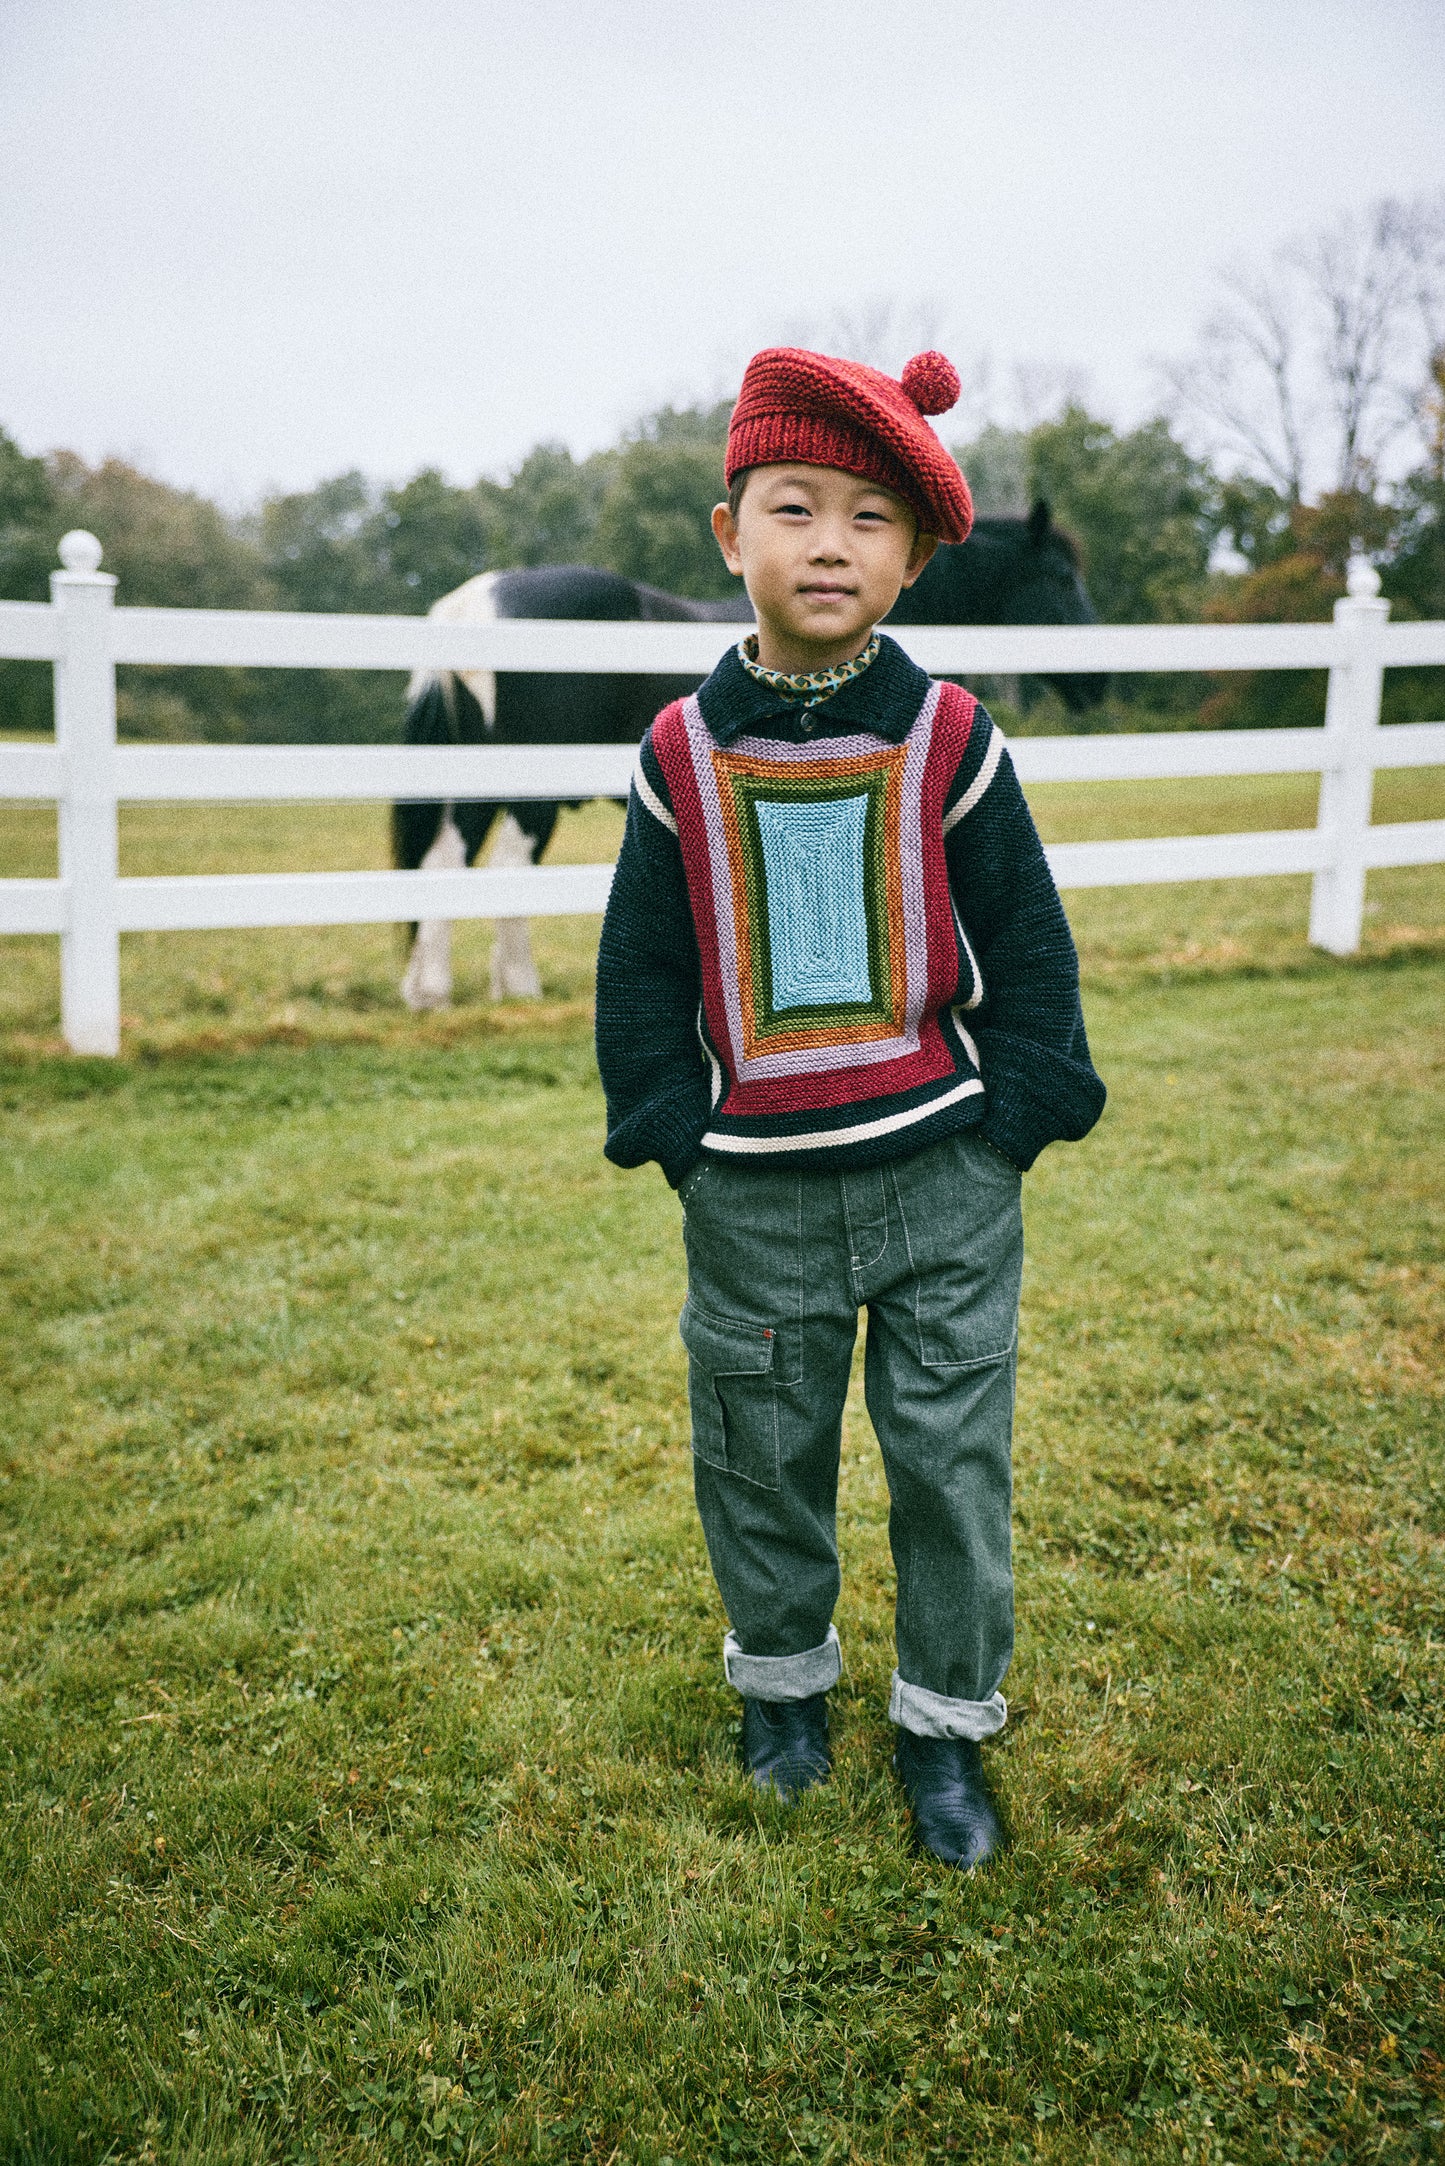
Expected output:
{"points": [[837, 1000]]}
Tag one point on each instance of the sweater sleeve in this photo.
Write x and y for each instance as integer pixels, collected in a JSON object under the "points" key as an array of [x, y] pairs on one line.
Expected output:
{"points": [[649, 992], [1039, 1081]]}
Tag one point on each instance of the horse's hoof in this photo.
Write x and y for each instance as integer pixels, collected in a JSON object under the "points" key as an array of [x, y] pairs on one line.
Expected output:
{"points": [[424, 994], [516, 982]]}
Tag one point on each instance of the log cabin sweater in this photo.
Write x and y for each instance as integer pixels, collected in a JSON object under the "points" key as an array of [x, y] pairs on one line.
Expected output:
{"points": [[832, 936]]}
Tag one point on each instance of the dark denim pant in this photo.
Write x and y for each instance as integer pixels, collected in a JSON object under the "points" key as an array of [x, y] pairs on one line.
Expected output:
{"points": [[779, 1264]]}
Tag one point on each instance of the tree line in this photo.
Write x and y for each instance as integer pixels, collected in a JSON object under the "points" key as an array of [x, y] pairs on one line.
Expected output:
{"points": [[1207, 510]]}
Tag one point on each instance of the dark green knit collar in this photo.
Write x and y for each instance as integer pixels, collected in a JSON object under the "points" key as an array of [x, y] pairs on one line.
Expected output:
{"points": [[883, 699]]}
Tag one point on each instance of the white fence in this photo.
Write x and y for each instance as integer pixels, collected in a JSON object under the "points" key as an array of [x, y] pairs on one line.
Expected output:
{"points": [[87, 774]]}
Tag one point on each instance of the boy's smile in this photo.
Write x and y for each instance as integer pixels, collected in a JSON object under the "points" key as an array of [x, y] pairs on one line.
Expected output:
{"points": [[824, 556]]}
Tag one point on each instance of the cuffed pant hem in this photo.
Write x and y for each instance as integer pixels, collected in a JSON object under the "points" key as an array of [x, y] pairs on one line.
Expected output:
{"points": [[783, 1677], [933, 1714]]}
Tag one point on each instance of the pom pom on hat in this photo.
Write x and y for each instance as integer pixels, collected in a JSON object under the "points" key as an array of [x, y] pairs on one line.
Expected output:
{"points": [[931, 381]]}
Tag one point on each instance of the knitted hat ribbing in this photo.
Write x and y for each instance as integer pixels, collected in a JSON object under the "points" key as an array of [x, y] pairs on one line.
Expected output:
{"points": [[808, 407]]}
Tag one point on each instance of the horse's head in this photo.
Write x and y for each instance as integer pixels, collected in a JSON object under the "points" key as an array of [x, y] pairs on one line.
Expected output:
{"points": [[1009, 571], [1043, 584]]}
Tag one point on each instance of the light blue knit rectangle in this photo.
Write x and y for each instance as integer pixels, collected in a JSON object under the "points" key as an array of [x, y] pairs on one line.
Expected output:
{"points": [[817, 905]]}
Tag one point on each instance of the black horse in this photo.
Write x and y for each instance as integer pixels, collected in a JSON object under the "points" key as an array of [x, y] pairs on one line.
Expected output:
{"points": [[1009, 571]]}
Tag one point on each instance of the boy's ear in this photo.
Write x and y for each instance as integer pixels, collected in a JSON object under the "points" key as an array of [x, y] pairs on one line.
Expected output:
{"points": [[923, 548], [725, 527]]}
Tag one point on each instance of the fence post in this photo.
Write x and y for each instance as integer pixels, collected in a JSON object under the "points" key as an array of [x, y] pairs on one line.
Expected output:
{"points": [[85, 737], [1347, 783]]}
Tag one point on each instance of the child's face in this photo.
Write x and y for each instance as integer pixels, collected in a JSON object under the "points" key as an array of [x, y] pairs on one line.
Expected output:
{"points": [[824, 555]]}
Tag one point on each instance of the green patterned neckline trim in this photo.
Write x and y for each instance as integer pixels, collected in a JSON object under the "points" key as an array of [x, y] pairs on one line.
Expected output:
{"points": [[805, 691]]}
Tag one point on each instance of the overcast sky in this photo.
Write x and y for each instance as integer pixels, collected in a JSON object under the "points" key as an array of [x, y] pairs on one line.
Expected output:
{"points": [[248, 243]]}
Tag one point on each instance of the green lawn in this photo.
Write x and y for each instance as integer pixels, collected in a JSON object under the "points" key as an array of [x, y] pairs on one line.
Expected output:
{"points": [[368, 1779]]}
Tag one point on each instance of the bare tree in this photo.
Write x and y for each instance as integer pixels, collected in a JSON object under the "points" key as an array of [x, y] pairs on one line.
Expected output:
{"points": [[1310, 373], [1243, 381], [1361, 283], [1422, 240]]}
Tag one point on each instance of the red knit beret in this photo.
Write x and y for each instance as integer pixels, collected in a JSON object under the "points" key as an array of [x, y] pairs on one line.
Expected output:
{"points": [[807, 407]]}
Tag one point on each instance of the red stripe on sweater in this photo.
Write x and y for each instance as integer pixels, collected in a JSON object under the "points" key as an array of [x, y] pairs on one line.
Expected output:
{"points": [[669, 742]]}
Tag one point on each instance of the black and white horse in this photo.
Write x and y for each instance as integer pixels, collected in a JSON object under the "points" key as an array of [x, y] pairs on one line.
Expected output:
{"points": [[1009, 571]]}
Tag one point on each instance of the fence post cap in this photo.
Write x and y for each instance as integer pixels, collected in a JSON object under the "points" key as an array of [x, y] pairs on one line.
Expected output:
{"points": [[79, 551], [1362, 581]]}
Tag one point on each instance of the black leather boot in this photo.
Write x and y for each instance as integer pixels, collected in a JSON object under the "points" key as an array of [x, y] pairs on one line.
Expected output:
{"points": [[785, 1744], [954, 1814]]}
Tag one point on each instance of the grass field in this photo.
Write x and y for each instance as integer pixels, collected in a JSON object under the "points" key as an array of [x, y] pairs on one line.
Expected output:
{"points": [[367, 1766]]}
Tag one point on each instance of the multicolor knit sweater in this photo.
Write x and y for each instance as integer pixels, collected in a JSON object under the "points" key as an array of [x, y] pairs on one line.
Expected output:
{"points": [[832, 937]]}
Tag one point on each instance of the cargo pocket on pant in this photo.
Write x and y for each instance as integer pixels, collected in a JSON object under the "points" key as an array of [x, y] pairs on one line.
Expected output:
{"points": [[732, 1394]]}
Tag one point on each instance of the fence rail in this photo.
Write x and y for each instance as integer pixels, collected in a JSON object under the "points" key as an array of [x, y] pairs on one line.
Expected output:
{"points": [[86, 774]]}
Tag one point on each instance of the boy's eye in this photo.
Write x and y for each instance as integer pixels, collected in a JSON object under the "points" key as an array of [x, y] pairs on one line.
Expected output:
{"points": [[799, 511]]}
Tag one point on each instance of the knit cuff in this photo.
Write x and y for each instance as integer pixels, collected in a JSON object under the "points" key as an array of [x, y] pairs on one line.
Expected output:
{"points": [[669, 1128], [1034, 1097]]}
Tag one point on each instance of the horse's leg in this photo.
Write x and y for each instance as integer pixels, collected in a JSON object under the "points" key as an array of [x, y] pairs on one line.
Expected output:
{"points": [[428, 980], [415, 825], [514, 973], [421, 836]]}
